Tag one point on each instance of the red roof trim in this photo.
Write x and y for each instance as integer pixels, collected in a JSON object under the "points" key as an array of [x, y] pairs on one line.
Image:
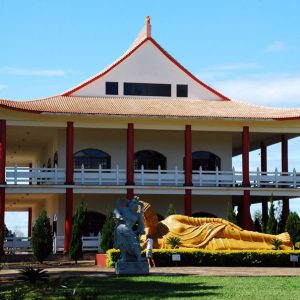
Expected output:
{"points": [[68, 93], [186, 71], [172, 59]]}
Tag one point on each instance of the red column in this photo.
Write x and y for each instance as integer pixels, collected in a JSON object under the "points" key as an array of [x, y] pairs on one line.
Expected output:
{"points": [[246, 203], [188, 169], [245, 154], [29, 221], [69, 181], [263, 164], [69, 219], [130, 160], [2, 150], [69, 153], [285, 168], [2, 174], [247, 221]]}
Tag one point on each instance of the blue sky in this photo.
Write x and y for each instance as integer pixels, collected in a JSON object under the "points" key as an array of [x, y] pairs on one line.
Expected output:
{"points": [[248, 50]]}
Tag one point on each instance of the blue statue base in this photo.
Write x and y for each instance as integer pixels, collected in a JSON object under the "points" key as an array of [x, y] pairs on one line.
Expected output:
{"points": [[132, 268]]}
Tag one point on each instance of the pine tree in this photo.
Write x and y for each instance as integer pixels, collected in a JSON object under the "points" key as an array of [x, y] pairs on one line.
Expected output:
{"points": [[42, 239], [272, 222], [293, 227], [257, 221], [171, 210], [107, 232], [231, 215], [75, 251]]}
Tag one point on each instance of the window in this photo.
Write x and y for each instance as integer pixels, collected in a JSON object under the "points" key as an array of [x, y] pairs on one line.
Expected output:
{"points": [[147, 89], [182, 90], [150, 160], [207, 160], [111, 88], [91, 159]]}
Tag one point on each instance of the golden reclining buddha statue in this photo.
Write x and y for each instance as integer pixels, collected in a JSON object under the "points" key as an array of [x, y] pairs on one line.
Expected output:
{"points": [[207, 233]]}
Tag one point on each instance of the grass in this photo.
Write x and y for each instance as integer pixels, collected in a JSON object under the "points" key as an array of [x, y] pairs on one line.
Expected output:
{"points": [[158, 287]]}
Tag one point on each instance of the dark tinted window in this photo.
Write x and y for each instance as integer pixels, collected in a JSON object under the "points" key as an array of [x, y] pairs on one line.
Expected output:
{"points": [[150, 160], [207, 160], [111, 88], [91, 159], [182, 90], [147, 89]]}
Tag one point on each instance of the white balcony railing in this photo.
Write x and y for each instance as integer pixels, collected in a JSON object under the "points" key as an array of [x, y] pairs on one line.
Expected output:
{"points": [[22, 244], [117, 177]]}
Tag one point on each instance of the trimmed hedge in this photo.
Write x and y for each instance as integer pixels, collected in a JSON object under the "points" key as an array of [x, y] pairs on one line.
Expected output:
{"points": [[198, 257]]}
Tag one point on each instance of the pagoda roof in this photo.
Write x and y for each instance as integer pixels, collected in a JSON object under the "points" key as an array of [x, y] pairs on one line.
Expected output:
{"points": [[151, 107], [68, 103]]}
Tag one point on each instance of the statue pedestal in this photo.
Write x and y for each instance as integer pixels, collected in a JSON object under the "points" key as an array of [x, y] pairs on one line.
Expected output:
{"points": [[132, 268]]}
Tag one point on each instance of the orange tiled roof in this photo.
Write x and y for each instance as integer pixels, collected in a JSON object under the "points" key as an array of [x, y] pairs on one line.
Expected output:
{"points": [[154, 107]]}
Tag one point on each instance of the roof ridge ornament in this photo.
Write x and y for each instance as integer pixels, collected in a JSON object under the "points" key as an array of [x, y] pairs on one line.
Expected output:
{"points": [[148, 27]]}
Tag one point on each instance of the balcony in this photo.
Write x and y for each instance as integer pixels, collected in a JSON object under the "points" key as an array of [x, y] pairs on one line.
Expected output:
{"points": [[173, 178]]}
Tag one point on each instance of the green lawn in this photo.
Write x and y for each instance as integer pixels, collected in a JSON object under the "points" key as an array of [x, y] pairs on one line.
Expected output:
{"points": [[158, 287]]}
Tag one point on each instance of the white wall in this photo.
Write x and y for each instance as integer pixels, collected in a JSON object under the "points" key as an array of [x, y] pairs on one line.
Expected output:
{"points": [[169, 143], [147, 65]]}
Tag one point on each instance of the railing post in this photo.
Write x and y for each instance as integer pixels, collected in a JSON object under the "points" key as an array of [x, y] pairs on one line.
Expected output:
{"points": [[55, 174], [233, 177], [200, 176], [82, 173], [276, 177], [142, 175], [257, 177], [159, 175], [176, 175], [217, 176], [117, 175], [15, 174], [294, 178], [100, 174]]}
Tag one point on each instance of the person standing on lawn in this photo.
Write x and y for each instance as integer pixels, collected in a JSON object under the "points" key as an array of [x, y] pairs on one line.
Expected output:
{"points": [[149, 243]]}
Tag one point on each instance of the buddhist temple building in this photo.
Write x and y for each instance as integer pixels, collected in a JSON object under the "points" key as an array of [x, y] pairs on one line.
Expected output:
{"points": [[143, 126]]}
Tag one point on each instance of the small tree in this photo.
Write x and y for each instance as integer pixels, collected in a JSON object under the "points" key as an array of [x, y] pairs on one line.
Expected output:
{"points": [[272, 222], [42, 239], [231, 215], [171, 210], [293, 227], [75, 251], [257, 221], [107, 232]]}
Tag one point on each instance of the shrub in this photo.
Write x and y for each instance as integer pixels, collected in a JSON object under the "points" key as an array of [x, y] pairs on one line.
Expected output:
{"points": [[174, 242], [42, 240], [272, 222], [200, 257], [276, 244], [75, 251], [107, 233], [171, 210], [293, 227], [33, 275]]}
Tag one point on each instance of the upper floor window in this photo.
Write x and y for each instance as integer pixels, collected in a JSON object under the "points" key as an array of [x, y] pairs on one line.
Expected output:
{"points": [[182, 90], [147, 89], [150, 160], [111, 88], [207, 160], [91, 159]]}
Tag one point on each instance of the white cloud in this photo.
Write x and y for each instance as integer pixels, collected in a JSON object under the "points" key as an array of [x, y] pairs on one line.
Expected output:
{"points": [[275, 46], [32, 72], [3, 86], [270, 90]]}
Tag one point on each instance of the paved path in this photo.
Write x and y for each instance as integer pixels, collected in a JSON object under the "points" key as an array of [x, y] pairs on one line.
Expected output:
{"points": [[87, 268]]}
